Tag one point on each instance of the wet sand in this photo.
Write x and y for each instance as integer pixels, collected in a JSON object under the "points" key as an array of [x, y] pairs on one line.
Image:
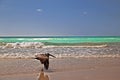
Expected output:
{"points": [[62, 69]]}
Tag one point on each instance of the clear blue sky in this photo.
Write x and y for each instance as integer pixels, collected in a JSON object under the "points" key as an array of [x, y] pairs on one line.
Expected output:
{"points": [[60, 17]]}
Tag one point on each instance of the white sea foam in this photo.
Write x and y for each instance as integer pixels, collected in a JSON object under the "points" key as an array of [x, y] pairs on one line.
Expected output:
{"points": [[31, 56], [86, 51], [82, 46], [24, 45], [16, 56], [20, 39], [40, 38]]}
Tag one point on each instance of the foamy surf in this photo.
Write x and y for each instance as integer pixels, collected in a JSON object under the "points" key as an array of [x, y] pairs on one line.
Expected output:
{"points": [[42, 45], [23, 45], [89, 46], [62, 51]]}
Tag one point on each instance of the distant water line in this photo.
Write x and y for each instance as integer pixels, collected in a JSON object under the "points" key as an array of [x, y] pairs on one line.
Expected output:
{"points": [[62, 39]]}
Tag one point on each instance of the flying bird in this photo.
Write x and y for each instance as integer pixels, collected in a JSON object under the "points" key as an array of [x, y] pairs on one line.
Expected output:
{"points": [[44, 59]]}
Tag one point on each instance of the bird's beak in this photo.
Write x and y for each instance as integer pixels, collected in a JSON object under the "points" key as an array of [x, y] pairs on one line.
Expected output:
{"points": [[35, 58], [52, 55]]}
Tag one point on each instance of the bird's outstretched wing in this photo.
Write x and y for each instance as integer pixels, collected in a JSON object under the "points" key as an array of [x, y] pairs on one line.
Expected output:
{"points": [[46, 64]]}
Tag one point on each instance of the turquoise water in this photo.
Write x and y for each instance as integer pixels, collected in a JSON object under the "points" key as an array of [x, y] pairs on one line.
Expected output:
{"points": [[62, 39], [107, 46]]}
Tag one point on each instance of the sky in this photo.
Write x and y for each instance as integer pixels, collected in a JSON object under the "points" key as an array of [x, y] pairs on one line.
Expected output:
{"points": [[60, 17]]}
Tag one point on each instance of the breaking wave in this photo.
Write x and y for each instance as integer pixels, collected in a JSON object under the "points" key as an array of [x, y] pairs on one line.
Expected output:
{"points": [[23, 45]]}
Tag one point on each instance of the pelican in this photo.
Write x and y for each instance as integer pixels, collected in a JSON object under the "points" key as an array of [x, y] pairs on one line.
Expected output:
{"points": [[44, 59]]}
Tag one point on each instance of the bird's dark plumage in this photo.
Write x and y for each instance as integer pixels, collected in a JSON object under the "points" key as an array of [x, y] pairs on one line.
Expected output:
{"points": [[44, 59]]}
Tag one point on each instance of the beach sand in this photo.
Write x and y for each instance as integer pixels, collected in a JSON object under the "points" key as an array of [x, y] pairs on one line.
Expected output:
{"points": [[62, 69]]}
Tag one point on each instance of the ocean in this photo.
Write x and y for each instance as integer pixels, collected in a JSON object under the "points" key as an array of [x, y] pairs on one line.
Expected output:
{"points": [[61, 39], [60, 46]]}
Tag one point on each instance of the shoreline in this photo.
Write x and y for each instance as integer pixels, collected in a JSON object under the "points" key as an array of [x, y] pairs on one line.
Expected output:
{"points": [[89, 46]]}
